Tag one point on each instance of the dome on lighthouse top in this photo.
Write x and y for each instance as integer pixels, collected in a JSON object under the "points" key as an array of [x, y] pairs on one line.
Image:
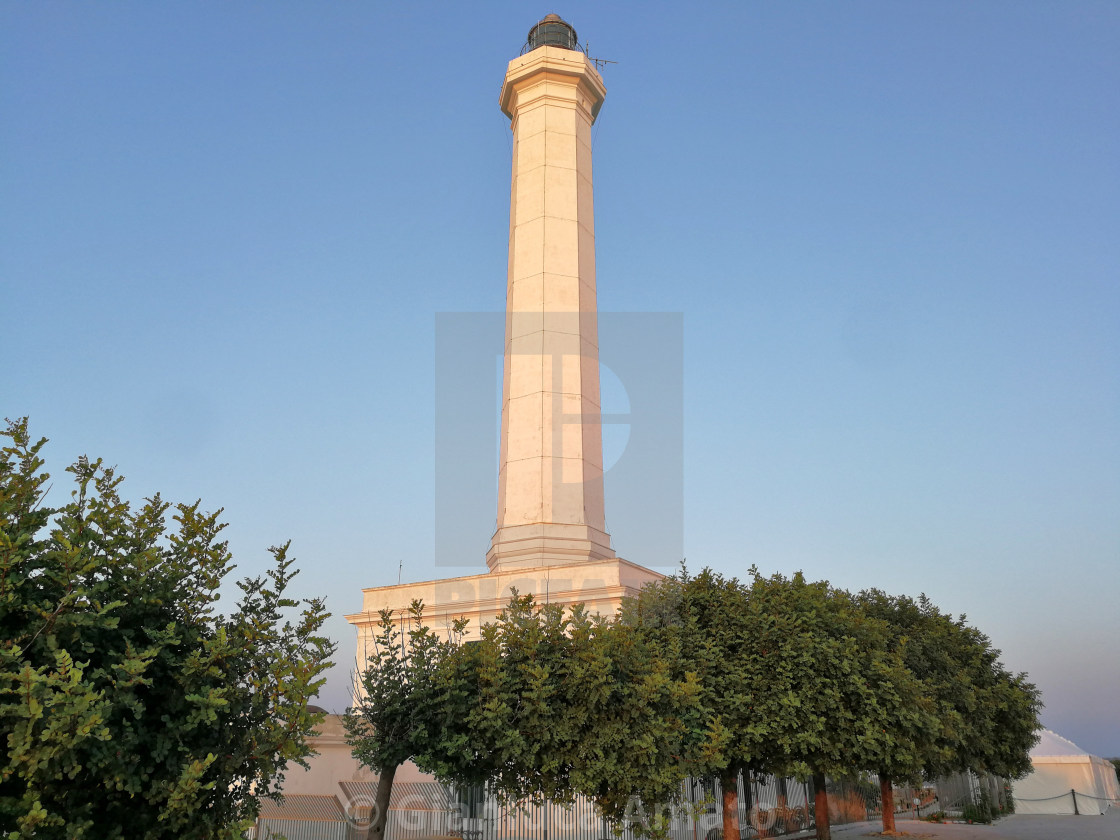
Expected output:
{"points": [[552, 31]]}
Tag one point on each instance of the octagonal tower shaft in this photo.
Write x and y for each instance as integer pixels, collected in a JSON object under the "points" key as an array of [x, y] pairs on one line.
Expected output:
{"points": [[550, 472]]}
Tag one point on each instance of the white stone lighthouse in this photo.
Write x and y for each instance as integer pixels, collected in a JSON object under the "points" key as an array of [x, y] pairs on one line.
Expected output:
{"points": [[550, 473], [551, 537]]}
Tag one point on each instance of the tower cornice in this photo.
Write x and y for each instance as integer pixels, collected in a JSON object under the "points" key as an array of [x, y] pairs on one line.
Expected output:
{"points": [[552, 64]]}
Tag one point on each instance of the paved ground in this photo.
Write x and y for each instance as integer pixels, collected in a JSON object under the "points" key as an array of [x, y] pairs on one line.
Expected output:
{"points": [[1014, 827]]}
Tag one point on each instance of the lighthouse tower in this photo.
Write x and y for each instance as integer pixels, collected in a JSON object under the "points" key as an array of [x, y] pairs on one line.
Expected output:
{"points": [[551, 538], [550, 473]]}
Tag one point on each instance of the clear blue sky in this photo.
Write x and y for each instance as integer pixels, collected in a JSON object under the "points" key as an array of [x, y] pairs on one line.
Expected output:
{"points": [[892, 230]]}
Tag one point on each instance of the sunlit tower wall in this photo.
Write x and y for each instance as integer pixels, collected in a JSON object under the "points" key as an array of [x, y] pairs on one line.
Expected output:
{"points": [[550, 471]]}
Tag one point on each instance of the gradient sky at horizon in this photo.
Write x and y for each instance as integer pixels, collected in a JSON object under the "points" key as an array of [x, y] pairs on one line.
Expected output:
{"points": [[893, 231]]}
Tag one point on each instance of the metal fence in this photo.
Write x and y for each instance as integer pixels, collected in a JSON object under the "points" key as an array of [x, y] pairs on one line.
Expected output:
{"points": [[269, 829], [768, 807]]}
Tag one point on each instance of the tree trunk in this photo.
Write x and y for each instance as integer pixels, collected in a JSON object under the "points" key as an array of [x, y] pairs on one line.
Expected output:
{"points": [[820, 807], [730, 785], [886, 794], [381, 805]]}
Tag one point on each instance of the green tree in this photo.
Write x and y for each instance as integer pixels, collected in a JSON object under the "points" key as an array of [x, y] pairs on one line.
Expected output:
{"points": [[987, 716], [839, 699], [797, 678], [413, 700], [129, 705], [549, 704], [573, 704], [706, 618]]}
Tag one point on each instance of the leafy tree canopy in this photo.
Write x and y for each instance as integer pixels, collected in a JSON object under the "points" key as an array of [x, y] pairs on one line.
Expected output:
{"points": [[840, 701], [129, 705], [701, 676], [987, 716], [574, 704]]}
